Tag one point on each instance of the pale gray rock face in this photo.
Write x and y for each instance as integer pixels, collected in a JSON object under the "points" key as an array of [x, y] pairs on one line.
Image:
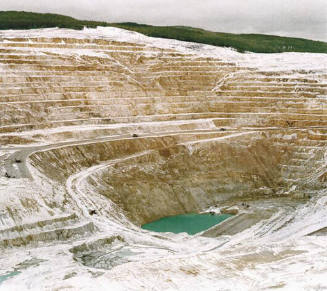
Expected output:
{"points": [[103, 130]]}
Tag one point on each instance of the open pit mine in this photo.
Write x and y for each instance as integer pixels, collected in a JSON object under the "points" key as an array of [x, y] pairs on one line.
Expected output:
{"points": [[105, 130]]}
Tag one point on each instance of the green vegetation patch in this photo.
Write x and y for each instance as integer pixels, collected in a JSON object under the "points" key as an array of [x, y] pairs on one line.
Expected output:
{"points": [[30, 20], [258, 43]]}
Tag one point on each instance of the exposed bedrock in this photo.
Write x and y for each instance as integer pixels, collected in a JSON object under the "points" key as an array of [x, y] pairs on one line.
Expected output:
{"points": [[189, 178], [104, 130], [154, 177]]}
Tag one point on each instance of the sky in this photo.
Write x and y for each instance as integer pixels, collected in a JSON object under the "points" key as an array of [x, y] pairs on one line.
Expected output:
{"points": [[298, 18]]}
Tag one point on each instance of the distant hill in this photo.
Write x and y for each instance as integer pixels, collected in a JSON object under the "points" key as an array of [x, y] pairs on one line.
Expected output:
{"points": [[30, 20], [258, 43]]}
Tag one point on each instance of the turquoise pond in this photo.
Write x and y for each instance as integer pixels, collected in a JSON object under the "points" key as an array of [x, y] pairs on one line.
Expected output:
{"points": [[8, 275], [191, 223]]}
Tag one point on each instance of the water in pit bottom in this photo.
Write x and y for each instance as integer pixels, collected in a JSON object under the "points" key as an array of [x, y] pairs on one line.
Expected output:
{"points": [[191, 223], [8, 275]]}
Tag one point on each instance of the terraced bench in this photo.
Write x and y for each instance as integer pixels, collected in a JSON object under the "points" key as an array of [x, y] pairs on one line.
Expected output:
{"points": [[135, 132]]}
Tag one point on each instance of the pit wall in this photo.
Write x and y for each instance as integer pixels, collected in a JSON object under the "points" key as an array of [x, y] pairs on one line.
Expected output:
{"points": [[171, 178]]}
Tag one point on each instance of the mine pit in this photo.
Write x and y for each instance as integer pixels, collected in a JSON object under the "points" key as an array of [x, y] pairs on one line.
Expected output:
{"points": [[195, 164]]}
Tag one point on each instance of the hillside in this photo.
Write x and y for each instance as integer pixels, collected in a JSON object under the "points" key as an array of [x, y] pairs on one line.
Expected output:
{"points": [[259, 43]]}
